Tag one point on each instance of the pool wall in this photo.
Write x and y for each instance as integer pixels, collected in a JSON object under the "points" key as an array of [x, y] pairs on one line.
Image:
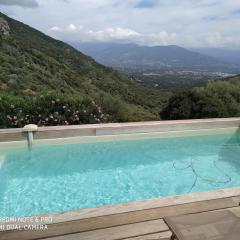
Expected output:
{"points": [[119, 128]]}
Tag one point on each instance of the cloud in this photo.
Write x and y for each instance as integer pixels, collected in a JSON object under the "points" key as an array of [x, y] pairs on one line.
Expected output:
{"points": [[236, 12], [126, 35], [107, 34], [147, 4], [118, 34], [22, 3], [71, 28]]}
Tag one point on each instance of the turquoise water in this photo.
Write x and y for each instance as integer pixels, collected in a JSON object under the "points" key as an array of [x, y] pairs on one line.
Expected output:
{"points": [[73, 176]]}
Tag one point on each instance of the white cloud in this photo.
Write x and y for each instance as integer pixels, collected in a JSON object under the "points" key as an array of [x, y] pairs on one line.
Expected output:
{"points": [[117, 34], [161, 38], [55, 29], [106, 34], [72, 28], [109, 34]]}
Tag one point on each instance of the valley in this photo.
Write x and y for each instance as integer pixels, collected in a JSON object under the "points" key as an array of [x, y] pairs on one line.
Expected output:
{"points": [[173, 80]]}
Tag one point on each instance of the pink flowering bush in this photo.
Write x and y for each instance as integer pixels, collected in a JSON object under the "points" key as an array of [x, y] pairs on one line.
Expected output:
{"points": [[48, 110]]}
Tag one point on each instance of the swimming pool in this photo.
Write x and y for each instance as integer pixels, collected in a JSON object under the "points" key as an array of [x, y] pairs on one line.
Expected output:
{"points": [[70, 174]]}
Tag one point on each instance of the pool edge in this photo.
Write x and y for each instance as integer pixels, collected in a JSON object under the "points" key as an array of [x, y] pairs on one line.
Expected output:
{"points": [[119, 128]]}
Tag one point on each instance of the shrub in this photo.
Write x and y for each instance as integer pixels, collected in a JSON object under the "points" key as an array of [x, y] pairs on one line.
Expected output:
{"points": [[48, 110]]}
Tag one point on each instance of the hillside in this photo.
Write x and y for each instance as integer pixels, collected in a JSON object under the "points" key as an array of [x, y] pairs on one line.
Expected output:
{"points": [[132, 56], [32, 63], [216, 99]]}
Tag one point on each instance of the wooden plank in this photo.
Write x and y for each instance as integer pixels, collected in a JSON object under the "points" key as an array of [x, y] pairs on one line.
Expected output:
{"points": [[235, 211], [156, 236], [113, 220], [221, 224], [120, 232], [236, 199]]}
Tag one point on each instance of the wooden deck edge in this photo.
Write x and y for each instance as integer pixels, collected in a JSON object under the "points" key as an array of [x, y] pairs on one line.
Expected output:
{"points": [[141, 205], [185, 204], [134, 230], [234, 210], [155, 236]]}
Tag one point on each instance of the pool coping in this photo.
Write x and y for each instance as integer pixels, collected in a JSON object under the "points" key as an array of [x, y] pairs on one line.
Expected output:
{"points": [[142, 205], [118, 128]]}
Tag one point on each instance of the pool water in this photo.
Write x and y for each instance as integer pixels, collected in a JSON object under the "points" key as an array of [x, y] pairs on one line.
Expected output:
{"points": [[57, 178]]}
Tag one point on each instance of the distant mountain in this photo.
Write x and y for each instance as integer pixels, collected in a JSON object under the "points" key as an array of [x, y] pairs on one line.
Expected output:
{"points": [[158, 58], [227, 55], [32, 62]]}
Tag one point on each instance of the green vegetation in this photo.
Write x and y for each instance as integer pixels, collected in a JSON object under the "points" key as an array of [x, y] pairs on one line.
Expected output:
{"points": [[49, 110], [33, 64], [216, 99]]}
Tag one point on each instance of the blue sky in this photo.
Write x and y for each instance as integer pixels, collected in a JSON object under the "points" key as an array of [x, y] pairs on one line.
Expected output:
{"points": [[188, 23]]}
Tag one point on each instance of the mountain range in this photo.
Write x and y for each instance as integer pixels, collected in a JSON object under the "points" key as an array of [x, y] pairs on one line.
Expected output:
{"points": [[133, 56], [226, 55]]}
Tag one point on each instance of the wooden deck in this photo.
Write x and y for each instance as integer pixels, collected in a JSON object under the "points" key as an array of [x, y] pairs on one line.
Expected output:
{"points": [[143, 220]]}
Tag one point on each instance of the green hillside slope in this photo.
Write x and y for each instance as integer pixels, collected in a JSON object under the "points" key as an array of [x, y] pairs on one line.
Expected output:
{"points": [[32, 63], [216, 99]]}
